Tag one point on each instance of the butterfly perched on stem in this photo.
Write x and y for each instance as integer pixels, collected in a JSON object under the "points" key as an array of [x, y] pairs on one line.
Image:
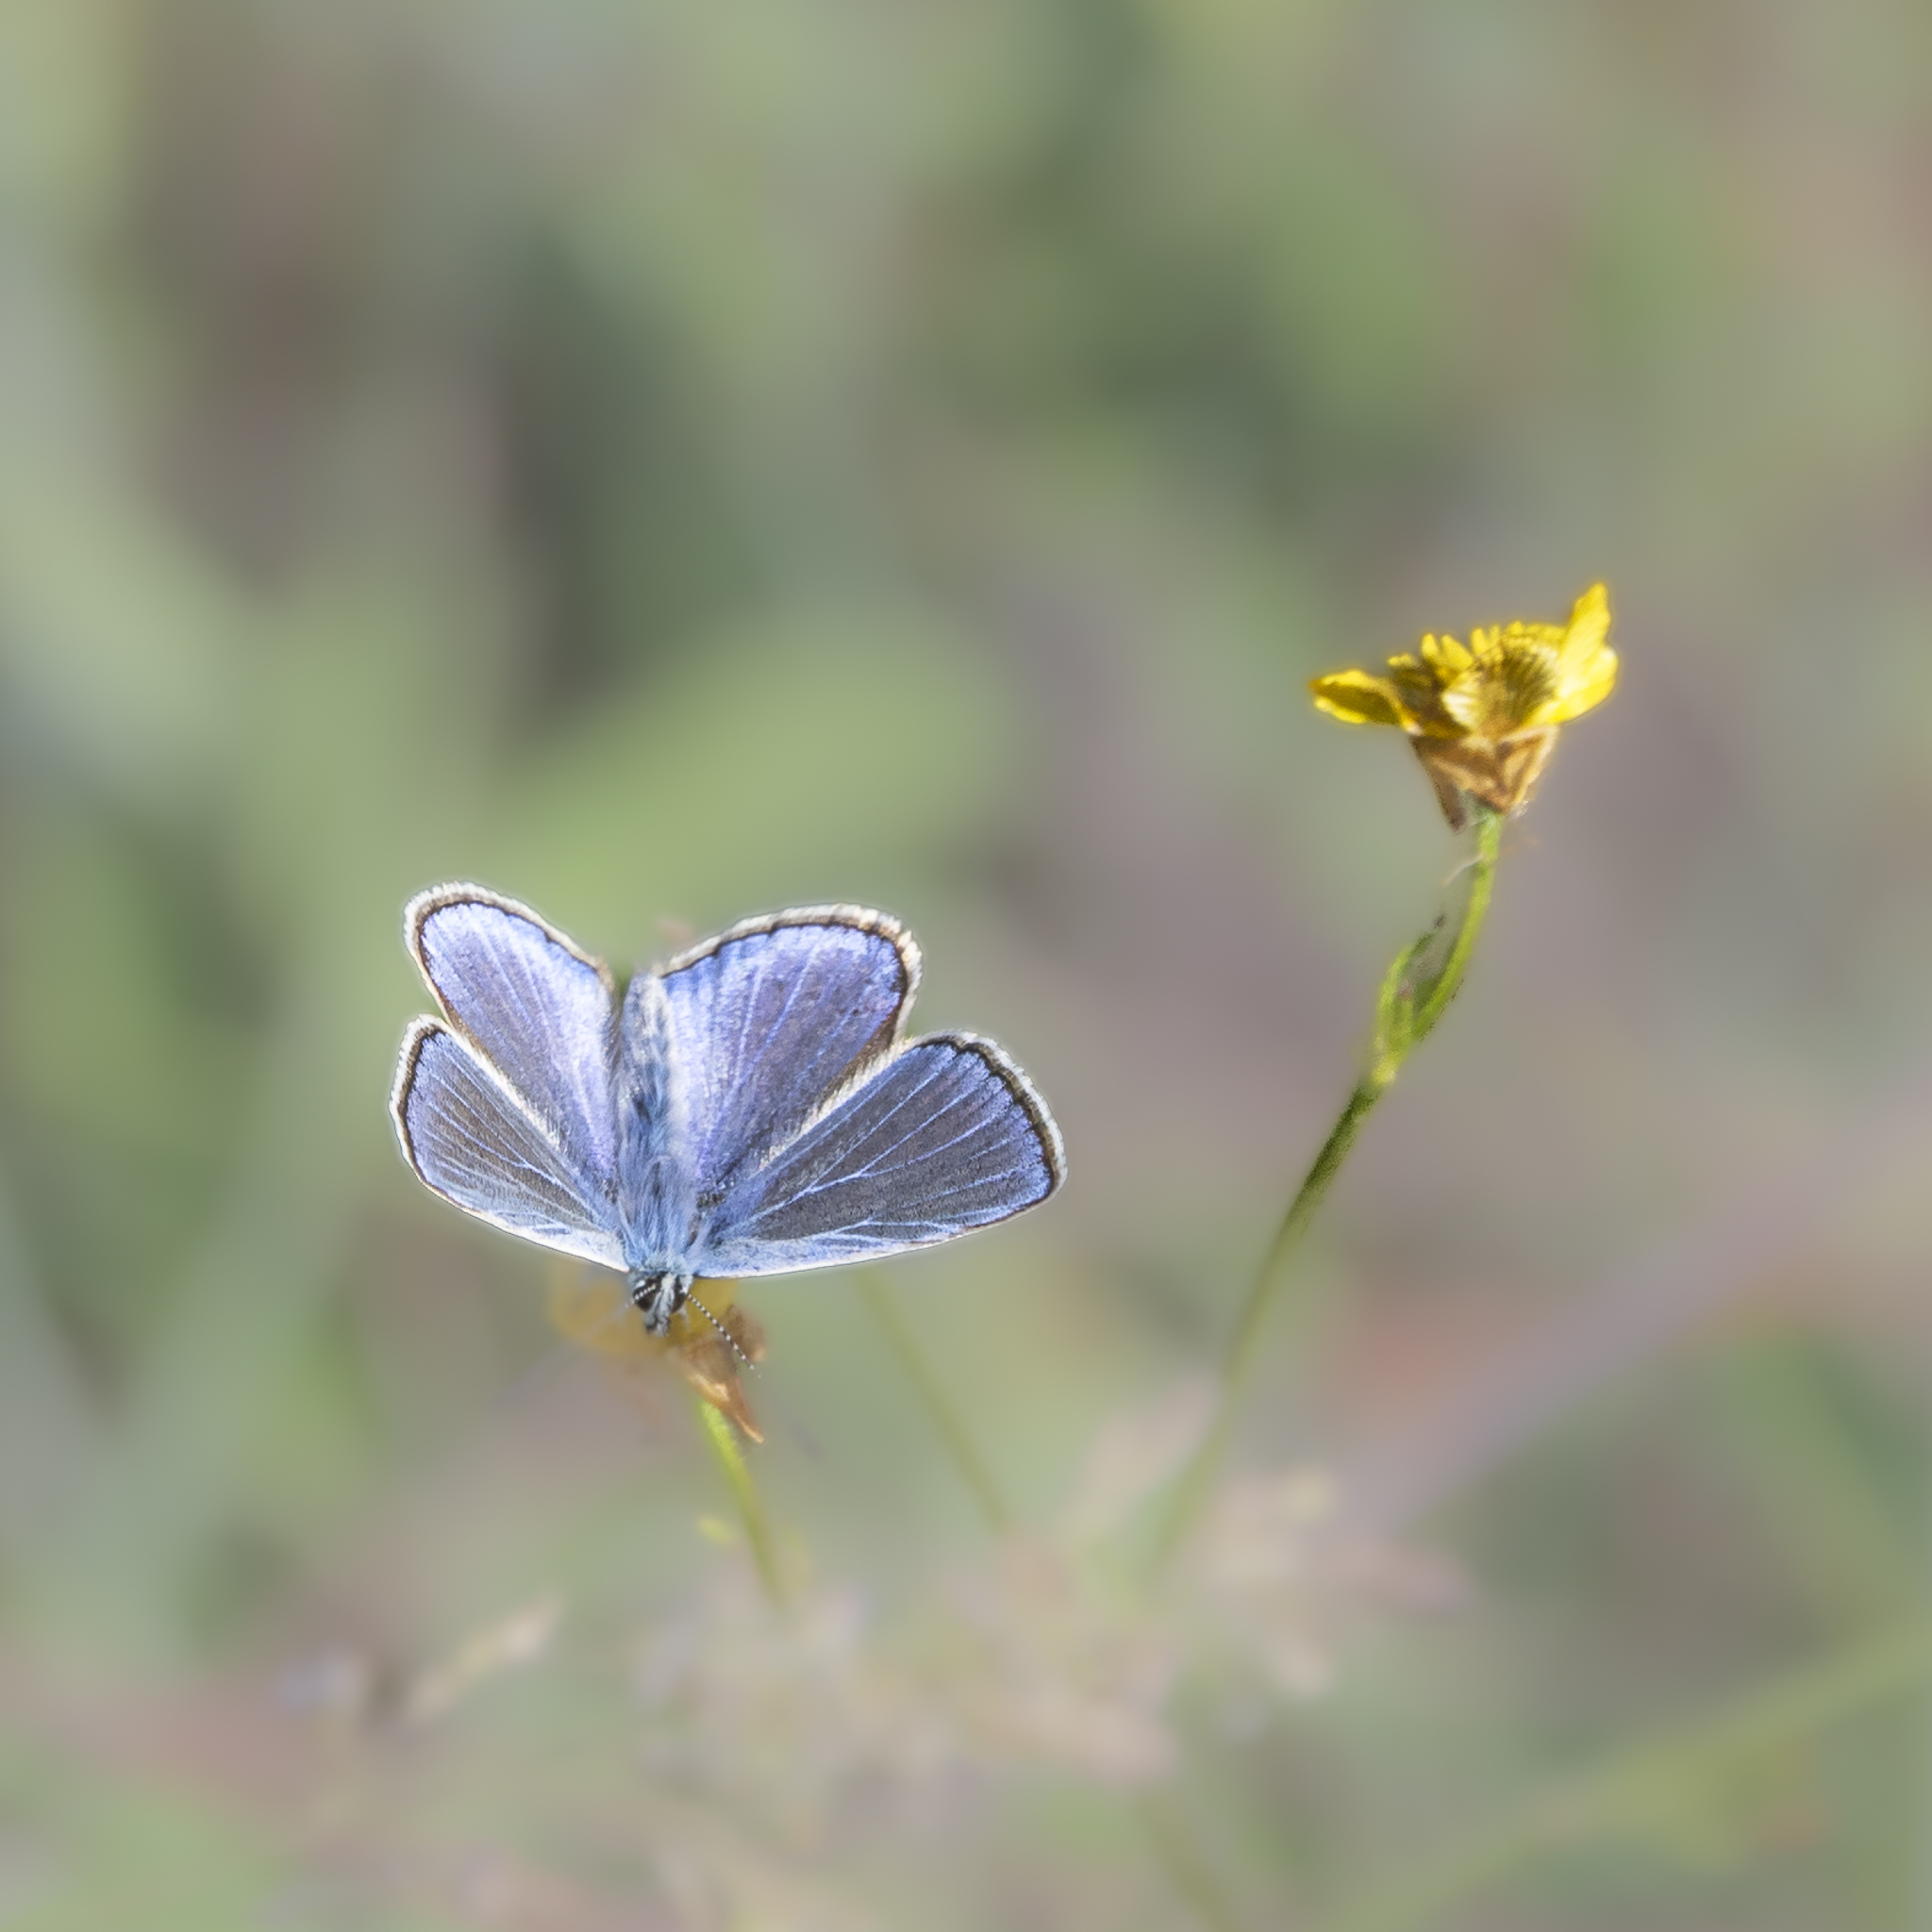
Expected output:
{"points": [[750, 1109]]}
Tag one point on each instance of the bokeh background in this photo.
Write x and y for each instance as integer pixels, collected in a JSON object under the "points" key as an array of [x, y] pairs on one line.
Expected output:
{"points": [[670, 460]]}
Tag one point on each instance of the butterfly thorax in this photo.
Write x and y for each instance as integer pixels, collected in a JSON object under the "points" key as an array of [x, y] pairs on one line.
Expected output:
{"points": [[658, 1296], [656, 1188]]}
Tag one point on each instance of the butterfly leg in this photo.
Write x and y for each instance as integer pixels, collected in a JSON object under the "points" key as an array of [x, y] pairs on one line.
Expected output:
{"points": [[657, 1297]]}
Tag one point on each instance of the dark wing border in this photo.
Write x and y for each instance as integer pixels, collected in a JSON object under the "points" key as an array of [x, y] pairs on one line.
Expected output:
{"points": [[1032, 1105], [416, 1036], [1017, 1083], [855, 919], [417, 913]]}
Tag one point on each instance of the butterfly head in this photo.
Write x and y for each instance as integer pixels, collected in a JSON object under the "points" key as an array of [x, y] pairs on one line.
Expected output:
{"points": [[657, 1296]]}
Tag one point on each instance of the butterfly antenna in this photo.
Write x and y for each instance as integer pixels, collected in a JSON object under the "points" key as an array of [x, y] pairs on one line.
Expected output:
{"points": [[730, 1340]]}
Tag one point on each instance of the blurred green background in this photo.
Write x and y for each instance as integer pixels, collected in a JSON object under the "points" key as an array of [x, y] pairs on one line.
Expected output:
{"points": [[669, 461]]}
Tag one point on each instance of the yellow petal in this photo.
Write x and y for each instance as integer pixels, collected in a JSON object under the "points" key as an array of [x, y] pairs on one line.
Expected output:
{"points": [[1589, 625], [1357, 698], [1445, 657], [1591, 688], [1586, 665]]}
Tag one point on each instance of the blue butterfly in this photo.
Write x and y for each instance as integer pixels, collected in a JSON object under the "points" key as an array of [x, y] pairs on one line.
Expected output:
{"points": [[749, 1109]]}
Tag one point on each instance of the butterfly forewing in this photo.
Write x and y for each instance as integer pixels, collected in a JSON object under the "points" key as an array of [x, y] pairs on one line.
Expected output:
{"points": [[470, 1137], [770, 1020], [538, 1010], [947, 1136]]}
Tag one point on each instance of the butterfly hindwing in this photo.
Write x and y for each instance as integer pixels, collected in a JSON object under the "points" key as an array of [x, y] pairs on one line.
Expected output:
{"points": [[539, 1010], [771, 1019], [473, 1140], [947, 1136]]}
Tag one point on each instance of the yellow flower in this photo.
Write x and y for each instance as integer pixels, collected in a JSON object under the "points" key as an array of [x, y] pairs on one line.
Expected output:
{"points": [[1484, 716]]}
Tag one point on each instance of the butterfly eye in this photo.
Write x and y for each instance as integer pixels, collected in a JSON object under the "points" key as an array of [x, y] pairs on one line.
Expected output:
{"points": [[657, 1297]]}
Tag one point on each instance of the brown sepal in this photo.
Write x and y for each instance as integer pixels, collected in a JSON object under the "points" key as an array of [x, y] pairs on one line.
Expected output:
{"points": [[711, 1364], [1503, 774]]}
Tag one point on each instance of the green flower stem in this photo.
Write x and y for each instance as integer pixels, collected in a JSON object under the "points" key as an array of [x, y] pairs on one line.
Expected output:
{"points": [[1415, 995], [1191, 1490], [1488, 843], [1651, 1790], [877, 1294], [745, 1493]]}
